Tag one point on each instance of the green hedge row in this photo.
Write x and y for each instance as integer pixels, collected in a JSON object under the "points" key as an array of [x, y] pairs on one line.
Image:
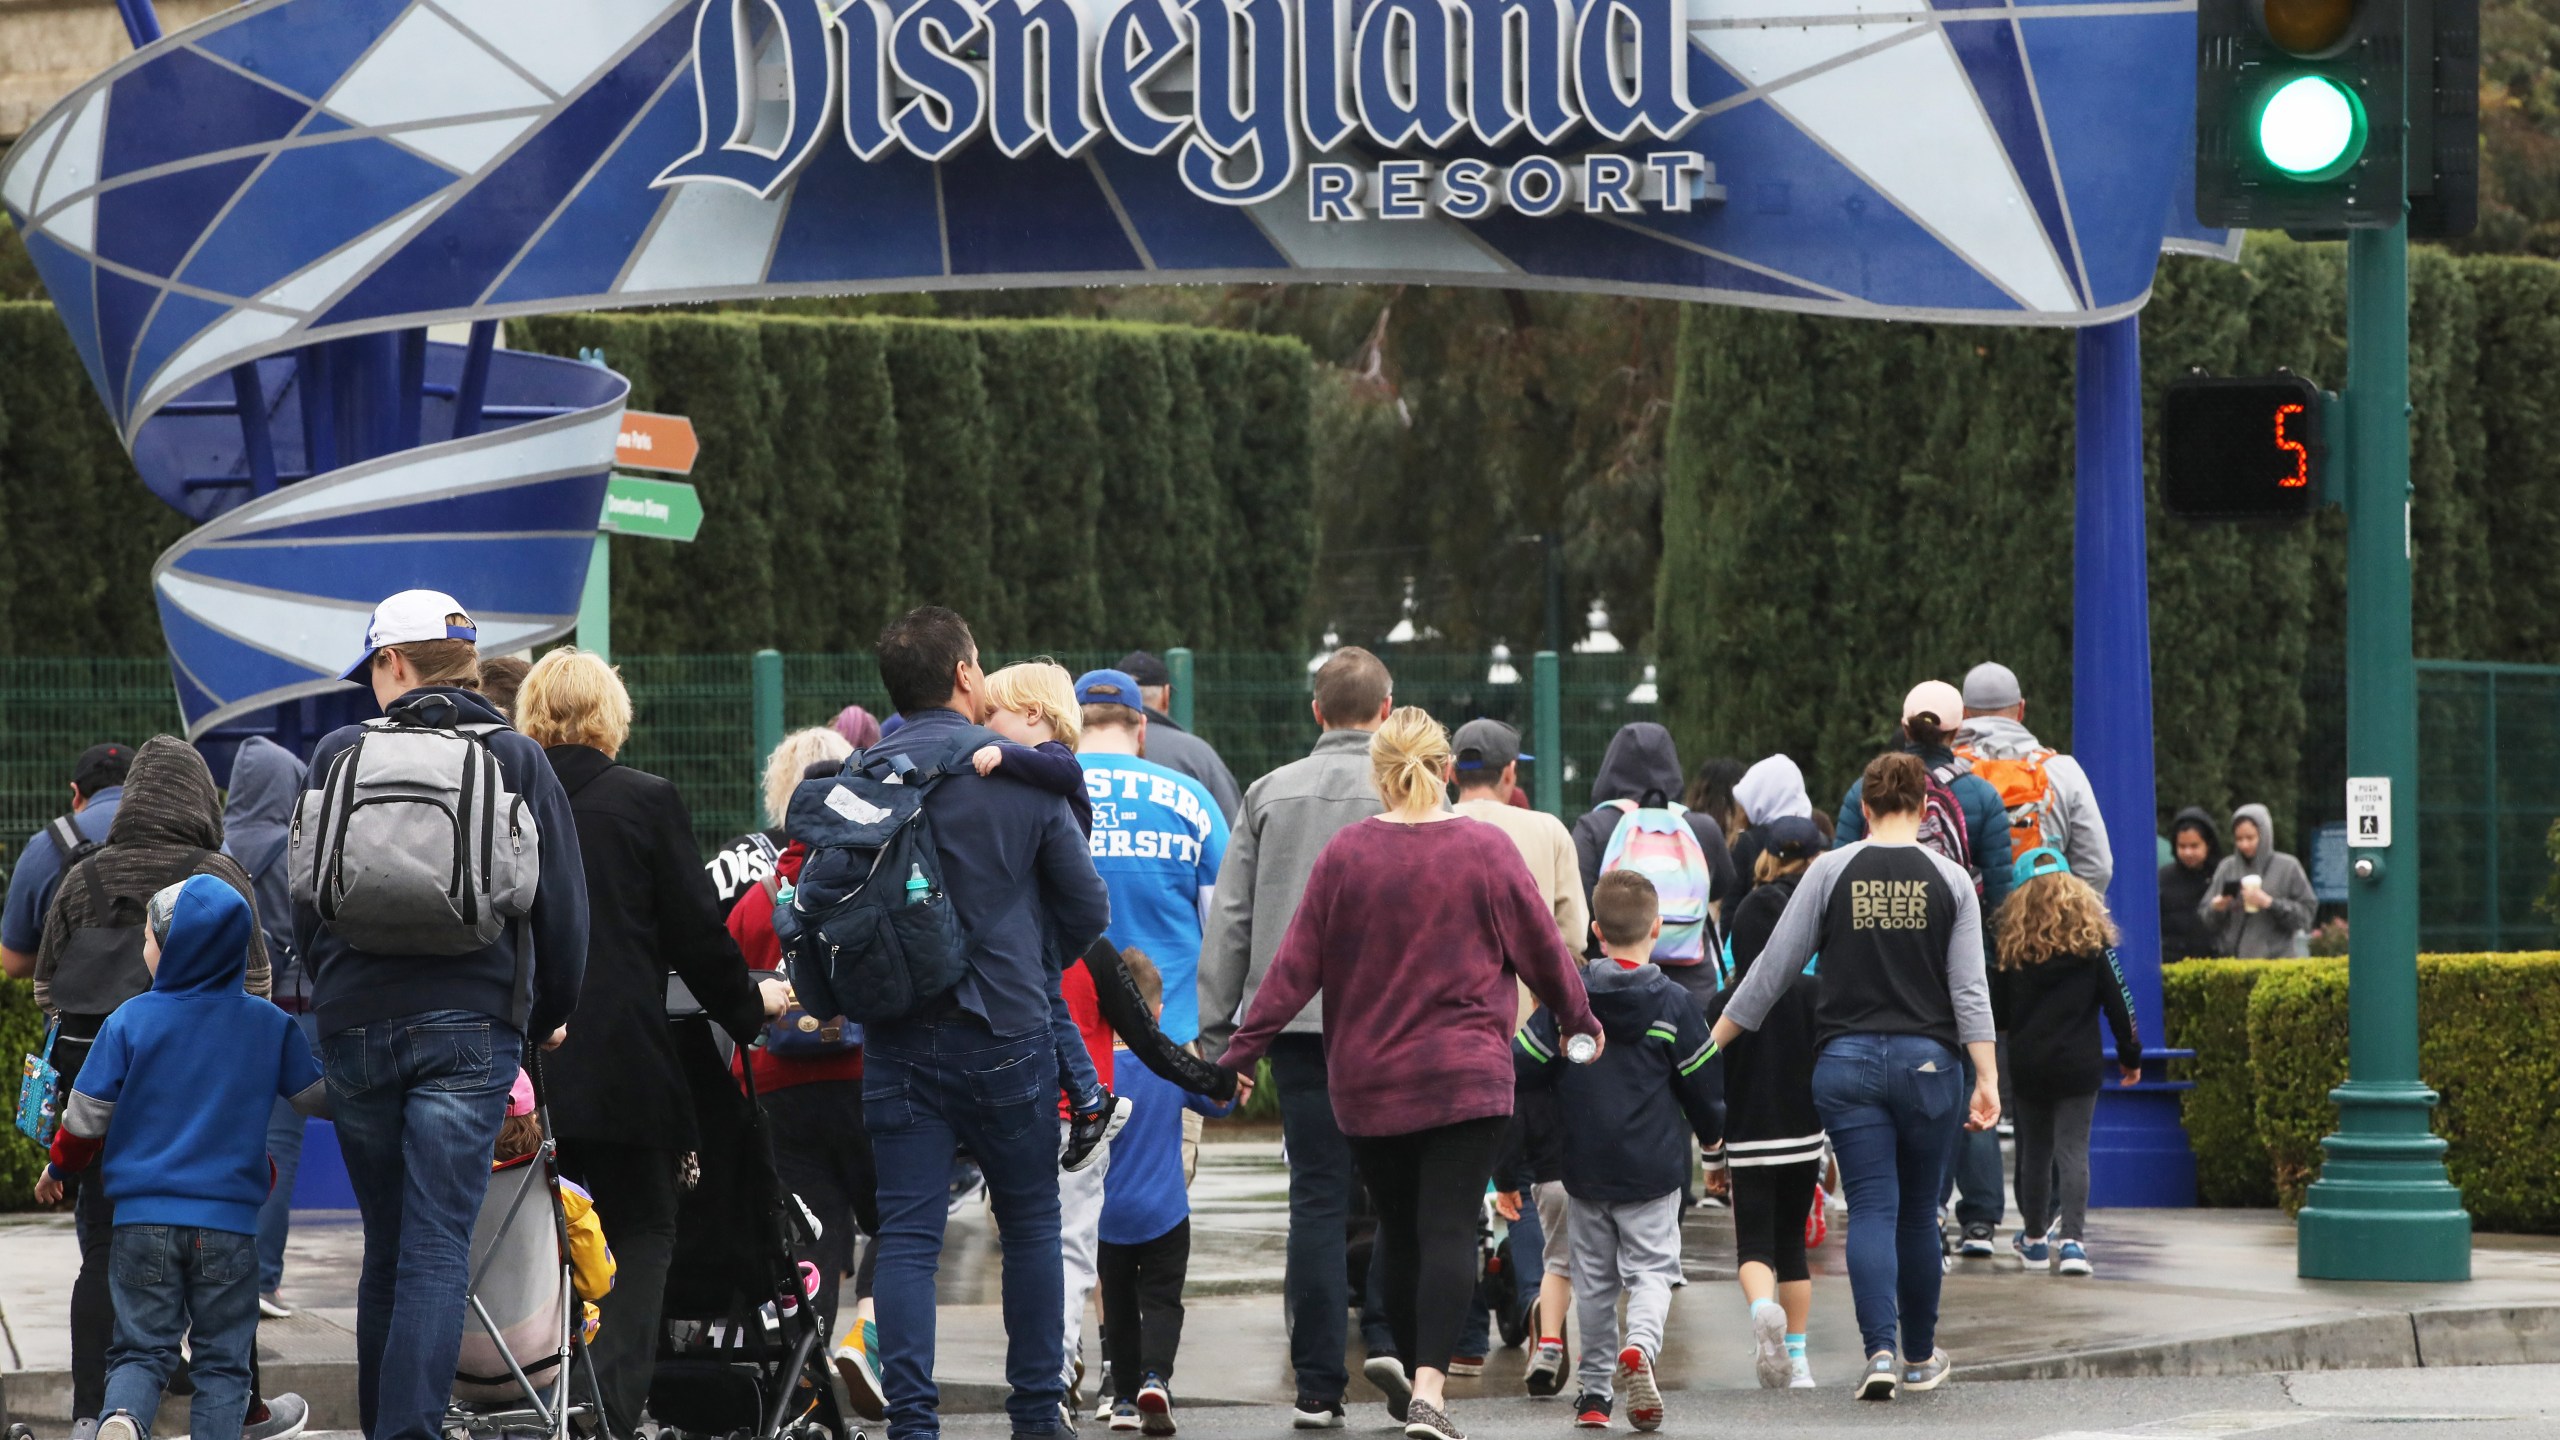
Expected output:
{"points": [[1068, 485], [2271, 1043], [1852, 507]]}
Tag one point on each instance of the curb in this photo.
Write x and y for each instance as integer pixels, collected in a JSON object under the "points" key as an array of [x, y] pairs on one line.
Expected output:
{"points": [[2435, 1335]]}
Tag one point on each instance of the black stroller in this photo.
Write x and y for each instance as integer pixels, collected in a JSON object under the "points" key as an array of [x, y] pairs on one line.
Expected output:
{"points": [[741, 1355]]}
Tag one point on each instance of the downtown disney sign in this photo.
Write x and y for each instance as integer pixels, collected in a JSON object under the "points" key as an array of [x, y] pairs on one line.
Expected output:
{"points": [[1269, 83]]}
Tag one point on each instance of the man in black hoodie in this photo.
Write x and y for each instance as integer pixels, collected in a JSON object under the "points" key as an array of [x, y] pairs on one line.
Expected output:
{"points": [[421, 1050], [1643, 766]]}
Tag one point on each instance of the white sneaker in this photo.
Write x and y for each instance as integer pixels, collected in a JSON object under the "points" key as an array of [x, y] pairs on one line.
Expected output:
{"points": [[272, 1308], [1799, 1374], [1769, 1343], [119, 1426]]}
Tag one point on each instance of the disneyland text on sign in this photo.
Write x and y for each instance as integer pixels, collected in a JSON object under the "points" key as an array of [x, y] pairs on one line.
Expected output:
{"points": [[1255, 93]]}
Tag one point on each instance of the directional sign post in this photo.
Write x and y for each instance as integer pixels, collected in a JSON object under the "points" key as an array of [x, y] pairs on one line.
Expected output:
{"points": [[639, 506], [658, 509]]}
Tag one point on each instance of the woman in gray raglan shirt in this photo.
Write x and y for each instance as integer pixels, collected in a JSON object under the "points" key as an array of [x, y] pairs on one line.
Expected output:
{"points": [[1899, 936]]}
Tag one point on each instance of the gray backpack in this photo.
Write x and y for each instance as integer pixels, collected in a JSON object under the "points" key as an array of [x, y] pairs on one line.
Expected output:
{"points": [[412, 844]]}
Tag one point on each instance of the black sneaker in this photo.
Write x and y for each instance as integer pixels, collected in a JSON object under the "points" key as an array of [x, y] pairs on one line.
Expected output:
{"points": [[1312, 1414], [1591, 1412], [1388, 1374], [1089, 1132], [1978, 1243]]}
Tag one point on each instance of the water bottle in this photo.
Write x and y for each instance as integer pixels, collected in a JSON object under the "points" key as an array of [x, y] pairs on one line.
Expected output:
{"points": [[917, 885], [1582, 1049]]}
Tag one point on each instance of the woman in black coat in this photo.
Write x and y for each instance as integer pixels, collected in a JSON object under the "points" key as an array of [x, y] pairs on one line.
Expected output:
{"points": [[624, 1085]]}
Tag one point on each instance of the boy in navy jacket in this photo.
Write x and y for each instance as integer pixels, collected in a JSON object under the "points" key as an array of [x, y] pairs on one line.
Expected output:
{"points": [[176, 1093], [1630, 1111]]}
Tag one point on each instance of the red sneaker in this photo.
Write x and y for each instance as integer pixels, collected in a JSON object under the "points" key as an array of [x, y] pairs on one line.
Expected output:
{"points": [[1635, 1382]]}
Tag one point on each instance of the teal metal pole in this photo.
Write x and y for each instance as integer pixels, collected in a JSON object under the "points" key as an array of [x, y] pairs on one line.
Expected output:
{"points": [[595, 603], [1546, 726], [768, 704], [1177, 666], [2383, 1208]]}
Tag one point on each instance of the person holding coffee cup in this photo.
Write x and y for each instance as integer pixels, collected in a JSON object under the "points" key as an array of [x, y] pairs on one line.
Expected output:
{"points": [[2259, 904]]}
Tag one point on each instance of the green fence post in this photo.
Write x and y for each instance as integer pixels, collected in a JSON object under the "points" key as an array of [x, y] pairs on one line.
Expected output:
{"points": [[1546, 725], [1177, 665], [595, 603], [768, 705], [2489, 799]]}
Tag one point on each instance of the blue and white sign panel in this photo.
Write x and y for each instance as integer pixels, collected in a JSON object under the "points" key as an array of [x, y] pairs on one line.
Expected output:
{"points": [[292, 172]]}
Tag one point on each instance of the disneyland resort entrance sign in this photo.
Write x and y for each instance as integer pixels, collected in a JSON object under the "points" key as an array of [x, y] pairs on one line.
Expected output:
{"points": [[229, 217]]}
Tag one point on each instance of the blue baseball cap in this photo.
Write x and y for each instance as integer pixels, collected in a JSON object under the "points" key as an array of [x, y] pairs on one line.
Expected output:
{"points": [[1109, 687], [2042, 860]]}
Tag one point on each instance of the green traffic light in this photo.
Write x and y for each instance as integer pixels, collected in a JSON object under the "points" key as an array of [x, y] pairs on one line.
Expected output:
{"points": [[2311, 128]]}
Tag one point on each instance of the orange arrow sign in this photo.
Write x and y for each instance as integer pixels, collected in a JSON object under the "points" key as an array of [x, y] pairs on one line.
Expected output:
{"points": [[656, 442]]}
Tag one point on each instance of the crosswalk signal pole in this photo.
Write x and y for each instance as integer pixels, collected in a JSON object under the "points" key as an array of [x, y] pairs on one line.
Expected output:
{"points": [[2383, 1208]]}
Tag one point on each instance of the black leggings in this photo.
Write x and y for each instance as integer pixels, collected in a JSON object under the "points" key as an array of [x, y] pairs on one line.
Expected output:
{"points": [[1429, 1190], [1770, 1205], [822, 1151]]}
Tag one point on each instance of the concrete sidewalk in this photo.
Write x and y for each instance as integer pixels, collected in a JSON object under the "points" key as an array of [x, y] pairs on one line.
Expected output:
{"points": [[2183, 1292]]}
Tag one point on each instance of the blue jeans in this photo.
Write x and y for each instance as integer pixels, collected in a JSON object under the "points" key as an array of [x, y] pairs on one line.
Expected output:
{"points": [[1077, 1077], [1974, 1171], [284, 1146], [1317, 1282], [175, 1282], [1892, 1105], [929, 1088], [418, 1102]]}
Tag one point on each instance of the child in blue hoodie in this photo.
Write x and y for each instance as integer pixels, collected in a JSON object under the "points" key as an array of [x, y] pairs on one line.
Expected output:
{"points": [[175, 1094]]}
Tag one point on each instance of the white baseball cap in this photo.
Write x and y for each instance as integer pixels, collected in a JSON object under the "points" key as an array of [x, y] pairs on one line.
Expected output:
{"points": [[409, 617]]}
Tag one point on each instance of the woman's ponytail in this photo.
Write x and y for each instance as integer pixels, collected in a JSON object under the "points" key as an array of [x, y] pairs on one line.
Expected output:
{"points": [[1408, 759]]}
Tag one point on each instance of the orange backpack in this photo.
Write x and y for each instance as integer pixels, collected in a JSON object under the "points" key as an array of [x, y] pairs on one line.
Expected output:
{"points": [[2027, 792]]}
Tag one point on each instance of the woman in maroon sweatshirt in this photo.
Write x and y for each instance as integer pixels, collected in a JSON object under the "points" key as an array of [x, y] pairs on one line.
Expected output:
{"points": [[1412, 927]]}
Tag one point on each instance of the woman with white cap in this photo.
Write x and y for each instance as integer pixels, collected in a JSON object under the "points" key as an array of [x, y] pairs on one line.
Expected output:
{"points": [[1931, 715]]}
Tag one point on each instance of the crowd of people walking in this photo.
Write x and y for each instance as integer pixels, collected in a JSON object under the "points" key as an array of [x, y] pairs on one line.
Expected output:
{"points": [[1762, 1000]]}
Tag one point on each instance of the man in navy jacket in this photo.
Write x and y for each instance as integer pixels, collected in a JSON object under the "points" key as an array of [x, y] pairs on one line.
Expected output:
{"points": [[420, 1050], [977, 1066]]}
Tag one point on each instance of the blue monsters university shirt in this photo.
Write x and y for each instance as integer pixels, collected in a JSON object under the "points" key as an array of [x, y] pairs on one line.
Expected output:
{"points": [[1158, 840]]}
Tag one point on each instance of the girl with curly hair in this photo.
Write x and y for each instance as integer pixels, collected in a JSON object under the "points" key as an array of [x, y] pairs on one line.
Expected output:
{"points": [[2058, 973]]}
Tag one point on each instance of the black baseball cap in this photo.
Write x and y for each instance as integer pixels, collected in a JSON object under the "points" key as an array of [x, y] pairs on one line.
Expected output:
{"points": [[1486, 745], [1793, 837], [1145, 668], [102, 767]]}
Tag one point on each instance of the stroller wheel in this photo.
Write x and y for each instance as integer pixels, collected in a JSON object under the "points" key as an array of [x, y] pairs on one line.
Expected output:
{"points": [[809, 1430]]}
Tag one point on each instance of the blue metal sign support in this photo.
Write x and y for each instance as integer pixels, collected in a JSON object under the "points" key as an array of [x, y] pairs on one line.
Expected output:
{"points": [[2138, 1152]]}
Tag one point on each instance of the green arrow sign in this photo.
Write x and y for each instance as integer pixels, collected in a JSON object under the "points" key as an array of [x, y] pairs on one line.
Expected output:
{"points": [[657, 509]]}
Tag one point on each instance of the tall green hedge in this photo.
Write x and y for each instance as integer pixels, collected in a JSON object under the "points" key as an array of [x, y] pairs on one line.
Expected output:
{"points": [[2205, 1004], [1853, 507], [2271, 1043], [1063, 484]]}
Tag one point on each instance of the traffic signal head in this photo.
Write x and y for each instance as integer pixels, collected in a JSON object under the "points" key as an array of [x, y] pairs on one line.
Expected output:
{"points": [[2299, 112], [2241, 449]]}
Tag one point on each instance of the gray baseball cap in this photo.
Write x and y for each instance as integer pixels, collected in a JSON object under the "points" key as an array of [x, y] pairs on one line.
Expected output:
{"points": [[1482, 745], [1991, 686]]}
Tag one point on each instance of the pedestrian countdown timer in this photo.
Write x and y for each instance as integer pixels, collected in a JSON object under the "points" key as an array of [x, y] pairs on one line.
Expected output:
{"points": [[2241, 449]]}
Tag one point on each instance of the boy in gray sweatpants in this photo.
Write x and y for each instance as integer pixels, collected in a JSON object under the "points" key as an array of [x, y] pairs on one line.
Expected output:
{"points": [[1626, 1151]]}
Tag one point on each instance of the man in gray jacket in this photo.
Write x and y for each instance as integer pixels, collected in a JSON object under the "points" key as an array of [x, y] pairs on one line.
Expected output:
{"points": [[1995, 729], [1287, 817]]}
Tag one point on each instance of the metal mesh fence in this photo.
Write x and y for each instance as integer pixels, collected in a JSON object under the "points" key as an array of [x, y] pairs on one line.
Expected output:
{"points": [[2489, 780], [50, 711]]}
